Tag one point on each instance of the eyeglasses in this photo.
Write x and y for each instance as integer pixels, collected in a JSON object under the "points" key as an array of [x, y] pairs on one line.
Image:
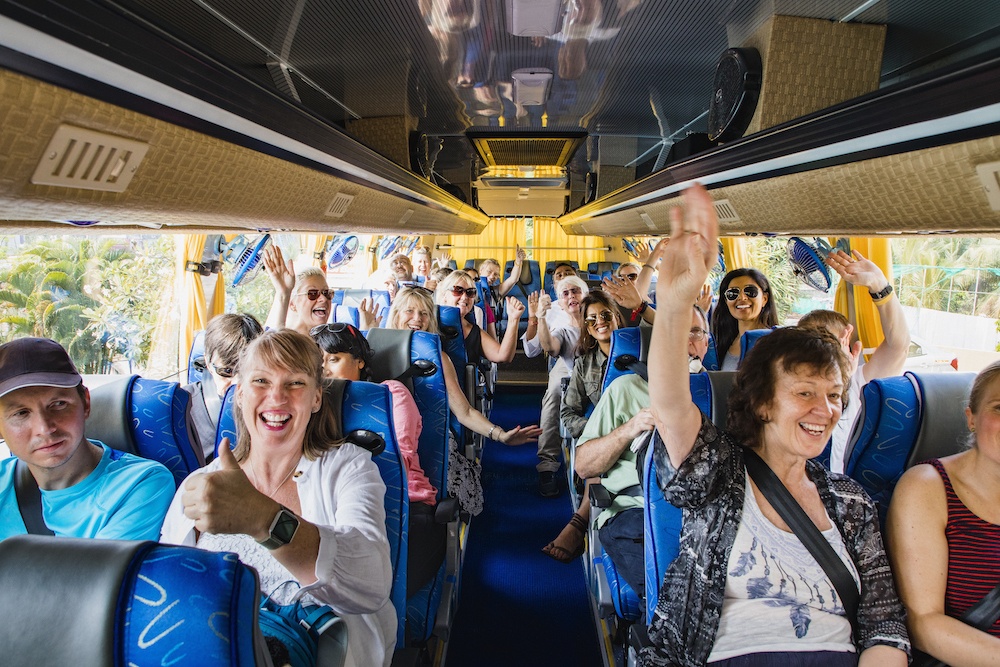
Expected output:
{"points": [[471, 292], [733, 293], [572, 290], [605, 315], [313, 294], [631, 276], [697, 333], [333, 327], [224, 371]]}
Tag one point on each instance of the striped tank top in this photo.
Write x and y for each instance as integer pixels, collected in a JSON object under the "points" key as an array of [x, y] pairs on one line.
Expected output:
{"points": [[973, 554]]}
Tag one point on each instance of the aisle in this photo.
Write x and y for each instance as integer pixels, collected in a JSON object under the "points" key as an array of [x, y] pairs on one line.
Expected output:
{"points": [[517, 606]]}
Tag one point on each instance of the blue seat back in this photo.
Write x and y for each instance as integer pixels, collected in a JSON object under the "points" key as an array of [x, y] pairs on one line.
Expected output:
{"points": [[227, 421], [146, 604], [146, 417], [452, 339], [347, 315], [905, 420], [394, 351], [633, 341], [602, 269], [549, 283], [197, 356], [713, 358], [368, 406], [530, 281], [623, 597]]}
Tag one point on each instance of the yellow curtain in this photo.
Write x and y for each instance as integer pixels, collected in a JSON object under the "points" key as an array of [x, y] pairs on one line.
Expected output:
{"points": [[218, 297], [865, 314], [192, 294], [549, 234], [372, 250], [315, 243], [497, 240], [734, 251]]}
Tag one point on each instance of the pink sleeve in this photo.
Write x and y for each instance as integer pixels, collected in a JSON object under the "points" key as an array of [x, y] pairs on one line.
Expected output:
{"points": [[406, 418]]}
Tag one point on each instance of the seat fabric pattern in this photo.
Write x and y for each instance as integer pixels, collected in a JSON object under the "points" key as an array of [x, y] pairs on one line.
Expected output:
{"points": [[227, 420], [159, 412], [626, 340], [624, 598], [189, 606]]}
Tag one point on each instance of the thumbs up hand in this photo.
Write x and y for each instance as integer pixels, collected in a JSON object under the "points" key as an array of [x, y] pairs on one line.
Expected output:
{"points": [[225, 502]]}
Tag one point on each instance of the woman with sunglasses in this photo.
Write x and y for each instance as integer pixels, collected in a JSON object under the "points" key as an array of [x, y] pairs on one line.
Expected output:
{"points": [[347, 356], [749, 306], [458, 290], [301, 301], [600, 319]]}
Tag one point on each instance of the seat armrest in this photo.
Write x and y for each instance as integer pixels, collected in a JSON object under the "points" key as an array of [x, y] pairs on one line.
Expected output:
{"points": [[446, 510], [599, 496]]}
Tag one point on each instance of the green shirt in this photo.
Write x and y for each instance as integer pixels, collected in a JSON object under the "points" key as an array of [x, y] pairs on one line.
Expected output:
{"points": [[622, 400]]}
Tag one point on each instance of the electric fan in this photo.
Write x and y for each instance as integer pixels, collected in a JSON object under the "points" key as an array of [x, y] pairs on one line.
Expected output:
{"points": [[809, 261], [245, 255], [631, 246], [407, 247], [388, 246], [340, 250], [718, 271]]}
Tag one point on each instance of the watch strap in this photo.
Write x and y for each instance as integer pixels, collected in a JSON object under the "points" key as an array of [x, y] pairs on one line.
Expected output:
{"points": [[882, 293]]}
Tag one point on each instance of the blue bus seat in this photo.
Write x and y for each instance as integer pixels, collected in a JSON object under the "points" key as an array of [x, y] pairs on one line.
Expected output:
{"points": [[602, 269], [631, 341], [453, 344], [146, 604], [347, 315], [430, 610], [196, 357], [712, 361], [474, 263], [368, 406], [146, 417], [905, 420]]}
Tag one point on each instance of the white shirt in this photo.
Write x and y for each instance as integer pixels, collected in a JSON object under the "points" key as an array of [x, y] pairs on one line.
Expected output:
{"points": [[842, 431], [343, 494]]}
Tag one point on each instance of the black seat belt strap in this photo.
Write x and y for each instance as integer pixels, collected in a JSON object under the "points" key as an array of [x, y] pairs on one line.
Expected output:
{"points": [[803, 527], [29, 500]]}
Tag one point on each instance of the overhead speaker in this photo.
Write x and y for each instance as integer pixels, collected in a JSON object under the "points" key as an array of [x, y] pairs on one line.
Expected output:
{"points": [[736, 91]]}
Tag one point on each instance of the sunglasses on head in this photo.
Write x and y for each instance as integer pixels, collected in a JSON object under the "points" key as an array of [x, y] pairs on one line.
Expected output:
{"points": [[605, 315], [224, 371], [333, 327], [733, 293], [313, 294], [471, 292]]}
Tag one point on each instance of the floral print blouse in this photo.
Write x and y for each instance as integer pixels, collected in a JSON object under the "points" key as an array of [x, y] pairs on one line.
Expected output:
{"points": [[709, 486]]}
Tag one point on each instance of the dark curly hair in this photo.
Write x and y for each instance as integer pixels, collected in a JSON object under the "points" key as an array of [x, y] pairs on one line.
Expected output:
{"points": [[725, 328], [783, 349]]}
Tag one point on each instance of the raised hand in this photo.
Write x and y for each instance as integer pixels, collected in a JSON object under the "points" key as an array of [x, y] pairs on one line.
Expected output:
{"points": [[705, 298], [693, 251], [514, 309], [533, 304], [544, 303], [623, 292], [443, 260], [368, 316], [857, 270], [520, 435], [520, 255], [281, 272]]}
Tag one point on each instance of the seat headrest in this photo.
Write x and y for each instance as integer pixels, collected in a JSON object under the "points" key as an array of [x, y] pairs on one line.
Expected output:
{"points": [[60, 602], [110, 419], [943, 428], [390, 353], [722, 385]]}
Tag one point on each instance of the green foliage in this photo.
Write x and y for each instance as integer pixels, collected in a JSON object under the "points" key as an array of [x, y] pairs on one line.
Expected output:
{"points": [[768, 255], [955, 275], [99, 299]]}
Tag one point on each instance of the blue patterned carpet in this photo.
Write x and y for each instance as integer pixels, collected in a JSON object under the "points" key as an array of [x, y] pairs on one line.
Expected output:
{"points": [[517, 606]]}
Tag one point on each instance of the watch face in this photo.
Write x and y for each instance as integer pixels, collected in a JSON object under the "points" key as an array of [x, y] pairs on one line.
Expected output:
{"points": [[285, 525]]}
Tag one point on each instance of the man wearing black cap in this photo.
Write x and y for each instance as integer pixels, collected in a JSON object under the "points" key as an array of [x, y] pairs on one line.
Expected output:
{"points": [[60, 482]]}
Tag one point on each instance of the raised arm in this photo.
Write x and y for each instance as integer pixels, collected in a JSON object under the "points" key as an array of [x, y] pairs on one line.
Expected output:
{"points": [[888, 358], [552, 345], [515, 273], [283, 279], [683, 269], [649, 261], [503, 352], [919, 553], [626, 295]]}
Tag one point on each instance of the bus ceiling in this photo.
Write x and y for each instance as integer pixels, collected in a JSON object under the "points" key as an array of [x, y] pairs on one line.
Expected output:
{"points": [[833, 117]]}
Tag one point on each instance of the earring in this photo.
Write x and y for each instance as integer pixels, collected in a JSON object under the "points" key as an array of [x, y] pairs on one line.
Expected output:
{"points": [[972, 429]]}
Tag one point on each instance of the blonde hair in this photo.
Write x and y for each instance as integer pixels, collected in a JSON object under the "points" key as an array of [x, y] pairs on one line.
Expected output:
{"points": [[292, 351], [450, 281], [404, 298]]}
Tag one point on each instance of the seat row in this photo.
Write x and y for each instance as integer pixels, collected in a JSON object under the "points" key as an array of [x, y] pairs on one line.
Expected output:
{"points": [[151, 602]]}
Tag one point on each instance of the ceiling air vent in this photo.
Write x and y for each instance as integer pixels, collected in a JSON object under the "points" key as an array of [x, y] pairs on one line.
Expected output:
{"points": [[338, 207], [725, 211], [548, 148], [80, 158]]}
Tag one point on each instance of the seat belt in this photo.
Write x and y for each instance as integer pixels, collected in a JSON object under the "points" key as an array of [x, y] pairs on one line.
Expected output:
{"points": [[792, 513], [981, 616], [629, 362], [29, 500]]}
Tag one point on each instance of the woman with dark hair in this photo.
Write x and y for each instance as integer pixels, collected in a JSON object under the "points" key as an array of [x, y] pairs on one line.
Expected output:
{"points": [[292, 500], [944, 530], [744, 589], [347, 356], [601, 318], [748, 306]]}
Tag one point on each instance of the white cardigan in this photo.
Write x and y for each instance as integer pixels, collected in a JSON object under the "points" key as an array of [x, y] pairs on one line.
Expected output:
{"points": [[341, 493]]}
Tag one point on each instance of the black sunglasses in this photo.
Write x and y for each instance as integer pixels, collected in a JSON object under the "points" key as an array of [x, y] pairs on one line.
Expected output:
{"points": [[313, 294], [605, 315], [224, 371], [471, 292], [631, 276], [733, 293], [333, 327]]}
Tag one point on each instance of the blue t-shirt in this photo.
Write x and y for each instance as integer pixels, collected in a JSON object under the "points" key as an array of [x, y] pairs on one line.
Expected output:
{"points": [[124, 498]]}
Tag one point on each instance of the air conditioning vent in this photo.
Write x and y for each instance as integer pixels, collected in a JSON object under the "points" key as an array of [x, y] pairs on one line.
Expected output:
{"points": [[726, 212], [81, 158], [338, 207], [499, 182]]}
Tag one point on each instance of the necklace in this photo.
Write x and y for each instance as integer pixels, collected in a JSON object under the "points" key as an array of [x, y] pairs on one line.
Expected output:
{"points": [[280, 484]]}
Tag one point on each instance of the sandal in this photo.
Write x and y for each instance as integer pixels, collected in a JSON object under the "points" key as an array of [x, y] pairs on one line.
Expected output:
{"points": [[562, 554]]}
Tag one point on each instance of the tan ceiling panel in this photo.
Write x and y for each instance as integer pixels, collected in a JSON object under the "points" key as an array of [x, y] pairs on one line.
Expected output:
{"points": [[187, 179]]}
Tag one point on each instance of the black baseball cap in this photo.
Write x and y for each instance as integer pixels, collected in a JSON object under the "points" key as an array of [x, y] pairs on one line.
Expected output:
{"points": [[35, 362]]}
